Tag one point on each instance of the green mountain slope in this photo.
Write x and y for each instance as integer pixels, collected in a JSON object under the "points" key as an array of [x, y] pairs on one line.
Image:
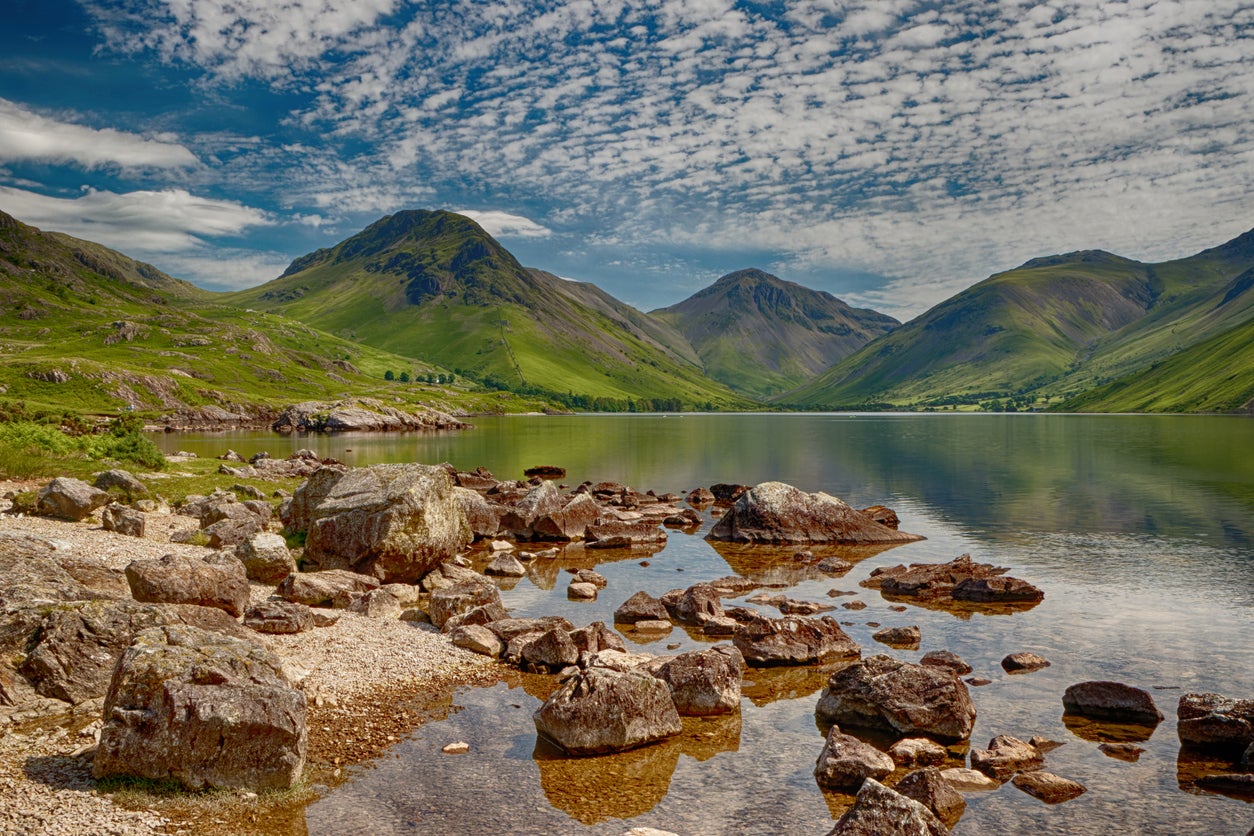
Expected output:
{"points": [[434, 285], [88, 330], [1053, 327], [762, 335]]}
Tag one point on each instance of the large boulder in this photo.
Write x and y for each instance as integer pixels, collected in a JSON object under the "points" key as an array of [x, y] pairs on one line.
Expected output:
{"points": [[69, 499], [218, 580], [121, 482], [266, 558], [846, 762], [1216, 722], [898, 697], [541, 501], [569, 523], [599, 711], [878, 811], [393, 521], [484, 517], [1114, 701], [774, 512], [552, 650], [704, 682], [319, 589], [791, 640], [203, 709]]}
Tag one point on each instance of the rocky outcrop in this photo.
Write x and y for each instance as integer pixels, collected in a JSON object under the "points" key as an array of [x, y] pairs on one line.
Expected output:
{"points": [[319, 589], [774, 512], [846, 762], [1104, 700], [393, 521], [217, 580], [704, 682], [598, 711], [791, 640], [1213, 721], [900, 698], [361, 415], [202, 709], [878, 811], [961, 579], [69, 499]]}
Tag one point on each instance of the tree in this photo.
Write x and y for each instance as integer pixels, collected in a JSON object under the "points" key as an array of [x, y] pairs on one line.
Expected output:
{"points": [[404, 377], [388, 375], [450, 379]]}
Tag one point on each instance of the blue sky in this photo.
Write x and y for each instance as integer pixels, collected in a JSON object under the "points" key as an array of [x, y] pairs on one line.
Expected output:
{"points": [[891, 152]]}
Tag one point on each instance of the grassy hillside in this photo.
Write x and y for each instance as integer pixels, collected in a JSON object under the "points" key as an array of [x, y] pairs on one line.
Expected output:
{"points": [[434, 285], [762, 335]]}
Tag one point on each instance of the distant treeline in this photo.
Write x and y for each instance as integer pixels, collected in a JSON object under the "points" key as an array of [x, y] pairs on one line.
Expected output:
{"points": [[589, 403]]}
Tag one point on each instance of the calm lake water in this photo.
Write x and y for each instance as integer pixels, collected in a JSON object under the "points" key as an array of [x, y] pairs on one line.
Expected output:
{"points": [[1140, 529]]}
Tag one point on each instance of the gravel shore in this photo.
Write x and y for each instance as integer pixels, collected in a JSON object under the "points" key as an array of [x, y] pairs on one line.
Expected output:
{"points": [[368, 683]]}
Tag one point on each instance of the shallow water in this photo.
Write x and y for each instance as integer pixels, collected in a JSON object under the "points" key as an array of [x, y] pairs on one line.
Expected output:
{"points": [[1138, 528]]}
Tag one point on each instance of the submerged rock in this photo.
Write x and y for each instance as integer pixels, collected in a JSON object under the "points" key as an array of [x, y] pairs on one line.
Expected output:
{"points": [[1048, 787], [774, 512]]}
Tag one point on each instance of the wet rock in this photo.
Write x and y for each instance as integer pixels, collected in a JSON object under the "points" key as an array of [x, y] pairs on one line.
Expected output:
{"points": [[505, 565], [918, 751], [731, 586], [878, 811], [1044, 744], [854, 605], [460, 598], [946, 659], [1024, 663], [69, 499], [704, 682], [277, 616], [833, 566], [1048, 787], [882, 515], [478, 639], [960, 579], [215, 581], [318, 589], [774, 512], [395, 522], [596, 637], [202, 709], [589, 576], [790, 606], [695, 605], [508, 629], [898, 697], [968, 780], [545, 471], [1213, 721], [699, 496], [1240, 784], [654, 625], [581, 591], [543, 500], [791, 640], [930, 789], [978, 681], [266, 558], [551, 650], [1129, 752], [599, 711], [903, 637], [641, 607], [123, 520], [846, 762], [616, 534], [1005, 756], [727, 493], [570, 522], [1106, 700]]}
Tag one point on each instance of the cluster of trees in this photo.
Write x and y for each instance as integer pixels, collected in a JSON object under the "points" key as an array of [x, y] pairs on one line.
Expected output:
{"points": [[430, 377]]}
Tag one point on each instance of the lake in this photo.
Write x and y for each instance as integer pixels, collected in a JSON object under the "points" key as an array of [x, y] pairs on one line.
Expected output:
{"points": [[1140, 530]]}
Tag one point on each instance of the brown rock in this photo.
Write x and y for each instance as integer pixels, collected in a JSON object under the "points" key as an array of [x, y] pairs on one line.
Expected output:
{"points": [[279, 617], [846, 762], [1106, 700], [1024, 663], [879, 811], [898, 697], [266, 558], [699, 496], [1005, 756], [930, 789], [903, 637], [918, 751], [704, 682], [1129, 752], [478, 639], [318, 589], [641, 607], [69, 498], [791, 640], [460, 598], [123, 520], [1213, 721], [774, 512], [599, 711], [959, 579], [552, 650], [215, 581], [616, 534], [570, 522], [1048, 787], [695, 605], [946, 659]]}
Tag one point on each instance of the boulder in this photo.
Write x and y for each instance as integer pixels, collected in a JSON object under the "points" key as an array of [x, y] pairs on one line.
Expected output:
{"points": [[377, 603], [846, 762], [483, 517], [541, 501], [266, 558], [946, 659], [968, 780], [551, 651], [217, 580], [918, 751], [596, 637], [726, 493], [940, 582], [69, 499], [695, 605], [641, 607], [1048, 787], [616, 534], [903, 637], [774, 512], [1005, 756], [395, 522], [577, 591], [121, 481], [462, 597], [599, 711], [276, 616], [699, 496], [318, 589], [1213, 721], [791, 640], [508, 629], [589, 576], [447, 574], [928, 787], [204, 710], [570, 522], [232, 532], [481, 615], [900, 698], [1115, 701], [996, 590], [704, 682], [883, 515], [477, 639], [123, 520], [505, 565], [1129, 752], [1024, 663], [878, 811]]}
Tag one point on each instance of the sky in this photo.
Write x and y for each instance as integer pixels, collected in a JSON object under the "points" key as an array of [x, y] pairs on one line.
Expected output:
{"points": [[891, 152]]}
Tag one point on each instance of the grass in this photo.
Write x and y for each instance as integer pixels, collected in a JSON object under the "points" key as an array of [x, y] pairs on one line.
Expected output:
{"points": [[30, 450]]}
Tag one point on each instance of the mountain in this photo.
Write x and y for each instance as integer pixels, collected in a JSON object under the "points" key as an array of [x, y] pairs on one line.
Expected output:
{"points": [[762, 335], [434, 285], [86, 329], [1051, 328]]}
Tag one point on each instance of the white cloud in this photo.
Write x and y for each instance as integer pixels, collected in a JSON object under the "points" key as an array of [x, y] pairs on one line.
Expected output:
{"points": [[504, 225], [223, 268], [26, 135]]}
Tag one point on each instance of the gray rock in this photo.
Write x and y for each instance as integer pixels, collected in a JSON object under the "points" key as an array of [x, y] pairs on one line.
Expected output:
{"points": [[704, 682], [581, 591], [774, 512], [377, 603], [266, 558], [214, 581], [552, 650], [599, 711], [447, 574], [202, 709], [121, 481], [231, 532], [596, 637], [483, 517], [695, 605], [879, 811], [508, 629], [69, 499], [968, 780], [846, 762], [318, 589], [1106, 700], [589, 576], [123, 520], [900, 698]]}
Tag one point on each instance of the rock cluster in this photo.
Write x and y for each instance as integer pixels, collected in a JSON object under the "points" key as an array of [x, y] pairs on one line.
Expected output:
{"points": [[961, 579]]}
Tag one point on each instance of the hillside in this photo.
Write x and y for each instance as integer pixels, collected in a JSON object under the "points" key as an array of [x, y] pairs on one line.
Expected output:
{"points": [[88, 330], [1053, 327], [762, 335], [434, 285]]}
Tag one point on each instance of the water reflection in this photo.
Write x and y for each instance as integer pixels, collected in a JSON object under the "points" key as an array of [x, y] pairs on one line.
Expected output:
{"points": [[785, 565]]}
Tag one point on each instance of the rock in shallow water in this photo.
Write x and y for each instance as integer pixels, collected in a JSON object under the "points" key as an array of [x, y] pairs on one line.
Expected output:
{"points": [[600, 711], [774, 512], [898, 697], [1115, 701], [879, 811]]}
